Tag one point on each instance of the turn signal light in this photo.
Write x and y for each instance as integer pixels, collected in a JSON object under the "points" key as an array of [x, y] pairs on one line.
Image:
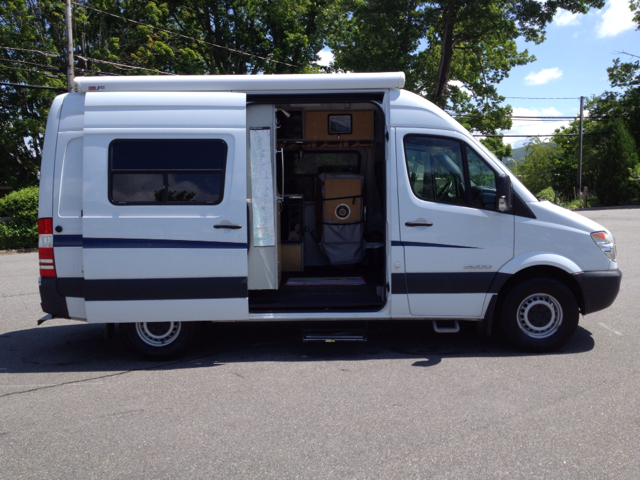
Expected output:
{"points": [[45, 247], [606, 243]]}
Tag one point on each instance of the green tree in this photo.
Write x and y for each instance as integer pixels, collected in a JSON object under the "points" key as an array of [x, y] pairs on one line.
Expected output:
{"points": [[624, 103], [454, 53], [22, 231], [26, 29], [613, 163], [538, 169], [199, 36], [126, 37], [499, 149], [282, 34], [609, 160], [611, 139]]}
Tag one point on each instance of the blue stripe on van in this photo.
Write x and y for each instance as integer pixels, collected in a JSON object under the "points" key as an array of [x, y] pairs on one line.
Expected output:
{"points": [[79, 241], [448, 282], [67, 240], [156, 243], [165, 288], [421, 244], [139, 289]]}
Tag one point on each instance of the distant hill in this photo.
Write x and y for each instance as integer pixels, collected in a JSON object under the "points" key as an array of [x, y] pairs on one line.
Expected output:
{"points": [[519, 153], [511, 163]]}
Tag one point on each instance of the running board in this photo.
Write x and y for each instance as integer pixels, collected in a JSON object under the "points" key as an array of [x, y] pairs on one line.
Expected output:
{"points": [[333, 337], [454, 329]]}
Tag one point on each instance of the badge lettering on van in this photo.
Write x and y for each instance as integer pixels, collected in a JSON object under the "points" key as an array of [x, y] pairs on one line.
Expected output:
{"points": [[95, 88], [477, 267]]}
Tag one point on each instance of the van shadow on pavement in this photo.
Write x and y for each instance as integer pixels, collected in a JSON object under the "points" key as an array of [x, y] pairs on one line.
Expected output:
{"points": [[83, 347]]}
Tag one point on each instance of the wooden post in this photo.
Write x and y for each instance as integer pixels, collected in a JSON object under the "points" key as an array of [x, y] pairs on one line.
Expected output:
{"points": [[584, 197]]}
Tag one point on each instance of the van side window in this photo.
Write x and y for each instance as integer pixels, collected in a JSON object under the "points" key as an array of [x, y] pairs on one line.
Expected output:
{"points": [[303, 168], [483, 182], [149, 172], [435, 167]]}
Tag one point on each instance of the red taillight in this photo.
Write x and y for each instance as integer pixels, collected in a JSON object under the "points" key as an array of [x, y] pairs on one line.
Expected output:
{"points": [[45, 247], [45, 226]]}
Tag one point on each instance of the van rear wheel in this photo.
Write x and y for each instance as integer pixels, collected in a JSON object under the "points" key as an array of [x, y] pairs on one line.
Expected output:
{"points": [[160, 340], [540, 315]]}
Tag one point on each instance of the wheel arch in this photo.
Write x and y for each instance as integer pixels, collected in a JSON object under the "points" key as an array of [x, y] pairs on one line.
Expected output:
{"points": [[541, 271]]}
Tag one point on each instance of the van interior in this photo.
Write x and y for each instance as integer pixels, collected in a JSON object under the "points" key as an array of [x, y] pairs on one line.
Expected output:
{"points": [[330, 179]]}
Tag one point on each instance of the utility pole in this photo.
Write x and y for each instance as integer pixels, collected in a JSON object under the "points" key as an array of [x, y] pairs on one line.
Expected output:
{"points": [[69, 20], [580, 147]]}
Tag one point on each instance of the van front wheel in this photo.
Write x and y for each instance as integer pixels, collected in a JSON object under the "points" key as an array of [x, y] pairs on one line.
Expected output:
{"points": [[540, 315], [160, 340]]}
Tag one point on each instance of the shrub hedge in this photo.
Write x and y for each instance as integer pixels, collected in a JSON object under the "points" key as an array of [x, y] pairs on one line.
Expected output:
{"points": [[22, 232]]}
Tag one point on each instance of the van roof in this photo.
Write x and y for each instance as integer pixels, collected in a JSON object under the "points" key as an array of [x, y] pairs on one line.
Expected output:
{"points": [[242, 83]]}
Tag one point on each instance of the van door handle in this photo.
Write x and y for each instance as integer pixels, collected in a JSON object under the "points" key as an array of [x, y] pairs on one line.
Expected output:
{"points": [[227, 226], [419, 224]]}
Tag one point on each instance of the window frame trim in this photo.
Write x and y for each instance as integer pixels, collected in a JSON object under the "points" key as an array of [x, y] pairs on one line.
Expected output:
{"points": [[465, 169]]}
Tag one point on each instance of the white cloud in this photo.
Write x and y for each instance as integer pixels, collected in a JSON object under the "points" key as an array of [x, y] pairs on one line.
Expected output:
{"points": [[460, 85], [543, 76], [531, 126], [564, 18], [326, 58], [616, 18]]}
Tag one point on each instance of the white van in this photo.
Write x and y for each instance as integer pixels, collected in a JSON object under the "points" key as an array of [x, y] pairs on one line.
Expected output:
{"points": [[170, 201]]}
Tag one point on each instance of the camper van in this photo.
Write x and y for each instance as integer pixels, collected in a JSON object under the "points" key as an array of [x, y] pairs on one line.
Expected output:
{"points": [[166, 202]]}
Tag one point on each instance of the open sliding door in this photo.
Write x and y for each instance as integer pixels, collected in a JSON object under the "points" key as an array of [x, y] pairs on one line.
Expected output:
{"points": [[264, 211], [164, 206]]}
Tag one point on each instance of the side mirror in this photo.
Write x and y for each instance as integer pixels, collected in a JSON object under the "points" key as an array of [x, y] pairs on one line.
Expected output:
{"points": [[504, 192]]}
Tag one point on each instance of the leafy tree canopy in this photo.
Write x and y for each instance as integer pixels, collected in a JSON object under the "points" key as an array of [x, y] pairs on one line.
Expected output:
{"points": [[454, 53], [125, 37], [23, 111]]}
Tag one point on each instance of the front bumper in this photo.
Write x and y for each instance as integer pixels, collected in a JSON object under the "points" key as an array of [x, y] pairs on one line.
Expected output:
{"points": [[599, 289]]}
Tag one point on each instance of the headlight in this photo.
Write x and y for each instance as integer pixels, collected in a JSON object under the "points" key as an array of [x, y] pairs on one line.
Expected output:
{"points": [[606, 243]]}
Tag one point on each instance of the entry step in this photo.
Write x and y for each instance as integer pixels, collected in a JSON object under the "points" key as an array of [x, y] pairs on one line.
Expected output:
{"points": [[334, 337], [446, 326]]}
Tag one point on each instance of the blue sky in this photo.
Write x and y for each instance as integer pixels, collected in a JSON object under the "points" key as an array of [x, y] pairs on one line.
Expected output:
{"points": [[571, 62]]}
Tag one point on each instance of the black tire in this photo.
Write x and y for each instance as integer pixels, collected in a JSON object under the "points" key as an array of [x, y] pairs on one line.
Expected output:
{"points": [[160, 340], [539, 315]]}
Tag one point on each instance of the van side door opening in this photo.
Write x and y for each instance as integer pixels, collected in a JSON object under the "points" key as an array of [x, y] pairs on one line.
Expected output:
{"points": [[330, 172]]}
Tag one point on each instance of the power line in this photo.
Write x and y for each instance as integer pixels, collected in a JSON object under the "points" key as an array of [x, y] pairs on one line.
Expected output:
{"points": [[58, 69], [51, 68], [546, 98], [185, 36], [521, 117], [48, 74], [48, 67], [48, 54], [127, 67], [524, 117], [38, 87], [527, 120], [549, 135]]}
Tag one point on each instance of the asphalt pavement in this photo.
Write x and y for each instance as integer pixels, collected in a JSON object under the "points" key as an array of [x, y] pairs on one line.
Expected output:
{"points": [[252, 401]]}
